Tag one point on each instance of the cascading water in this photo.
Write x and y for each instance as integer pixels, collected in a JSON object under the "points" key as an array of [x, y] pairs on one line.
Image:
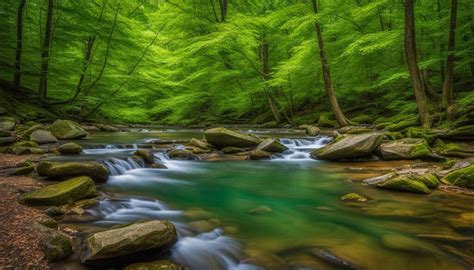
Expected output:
{"points": [[300, 149], [109, 149], [193, 250]]}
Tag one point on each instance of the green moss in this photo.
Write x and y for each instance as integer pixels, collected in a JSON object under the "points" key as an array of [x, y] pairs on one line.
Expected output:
{"points": [[417, 132], [25, 144], [363, 119], [326, 120], [463, 177], [393, 136], [223, 137], [430, 180], [232, 150], [403, 125], [452, 149], [405, 184], [449, 163], [353, 197], [70, 169], [420, 150]]}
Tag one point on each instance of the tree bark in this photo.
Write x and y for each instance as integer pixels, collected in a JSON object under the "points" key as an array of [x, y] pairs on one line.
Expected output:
{"points": [[449, 70], [328, 84], [19, 44], [412, 62], [266, 76], [223, 6], [43, 82], [430, 90]]}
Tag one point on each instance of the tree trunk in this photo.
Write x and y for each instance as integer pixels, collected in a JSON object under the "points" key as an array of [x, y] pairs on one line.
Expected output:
{"points": [[430, 90], [19, 44], [413, 69], [449, 70], [223, 6], [266, 76], [328, 84], [43, 82]]}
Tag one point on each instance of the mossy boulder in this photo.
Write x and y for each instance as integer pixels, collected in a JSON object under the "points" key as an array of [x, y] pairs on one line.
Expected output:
{"points": [[452, 150], [326, 120], [70, 148], [62, 193], [363, 119], [390, 136], [272, 145], [200, 144], [26, 133], [25, 144], [354, 130], [124, 243], [402, 125], [155, 265], [403, 183], [462, 178], [24, 169], [232, 150], [146, 155], [461, 133], [312, 130], [28, 151], [417, 132], [94, 170], [407, 148], [259, 154], [182, 154], [67, 130], [223, 137], [353, 197], [349, 147], [47, 221], [42, 137], [8, 125], [55, 246]]}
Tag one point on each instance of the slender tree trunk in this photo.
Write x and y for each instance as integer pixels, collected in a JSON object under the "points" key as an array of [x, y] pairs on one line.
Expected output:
{"points": [[430, 90], [413, 69], [266, 76], [43, 82], [19, 44], [328, 84], [449, 70], [223, 6]]}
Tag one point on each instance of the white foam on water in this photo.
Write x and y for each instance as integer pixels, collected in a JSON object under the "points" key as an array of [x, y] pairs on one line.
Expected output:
{"points": [[300, 149]]}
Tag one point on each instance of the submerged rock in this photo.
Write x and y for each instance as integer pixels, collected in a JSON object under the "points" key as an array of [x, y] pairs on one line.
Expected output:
{"points": [[94, 170], [349, 147], [408, 148], [462, 177], [130, 242], [70, 148], [61, 193], [155, 265], [260, 210], [402, 183], [353, 197], [333, 259], [182, 154], [42, 137], [223, 137], [67, 130], [272, 145], [55, 246], [146, 155]]}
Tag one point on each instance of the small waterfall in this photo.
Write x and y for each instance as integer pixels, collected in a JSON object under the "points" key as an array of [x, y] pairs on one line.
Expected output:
{"points": [[211, 250], [300, 149], [109, 149], [119, 166]]}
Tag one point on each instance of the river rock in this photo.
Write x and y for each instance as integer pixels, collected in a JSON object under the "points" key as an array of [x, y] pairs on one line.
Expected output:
{"points": [[67, 130], [259, 154], [353, 197], [418, 132], [182, 154], [223, 137], [232, 150], [7, 140], [129, 242], [70, 149], [354, 130], [28, 151], [462, 177], [62, 193], [25, 144], [8, 125], [452, 150], [47, 221], [403, 183], [24, 169], [96, 171], [32, 129], [43, 137], [55, 246], [312, 130], [200, 144], [408, 148], [5, 133], [155, 265], [272, 145], [349, 147], [146, 155]]}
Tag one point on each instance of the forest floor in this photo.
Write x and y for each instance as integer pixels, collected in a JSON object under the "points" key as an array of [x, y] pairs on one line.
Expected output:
{"points": [[19, 241]]}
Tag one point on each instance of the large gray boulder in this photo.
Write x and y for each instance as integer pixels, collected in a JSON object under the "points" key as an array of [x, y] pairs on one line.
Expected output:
{"points": [[7, 125], [71, 148], [223, 137], [408, 148], [272, 145], [67, 130], [129, 242], [62, 193], [350, 147], [312, 130], [43, 137], [94, 170]]}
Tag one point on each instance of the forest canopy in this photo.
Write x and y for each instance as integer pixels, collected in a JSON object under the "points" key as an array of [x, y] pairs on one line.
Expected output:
{"points": [[239, 61]]}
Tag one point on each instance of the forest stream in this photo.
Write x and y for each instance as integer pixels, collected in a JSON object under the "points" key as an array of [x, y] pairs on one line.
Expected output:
{"points": [[283, 213]]}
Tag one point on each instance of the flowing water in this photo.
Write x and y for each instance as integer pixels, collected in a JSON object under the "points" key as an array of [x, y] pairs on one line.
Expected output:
{"points": [[283, 213]]}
